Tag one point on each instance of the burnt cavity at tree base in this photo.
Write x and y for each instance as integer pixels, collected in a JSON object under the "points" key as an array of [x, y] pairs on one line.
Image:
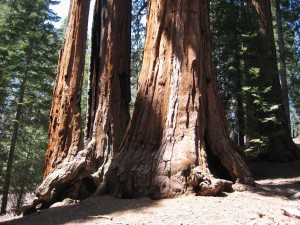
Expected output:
{"points": [[76, 190], [197, 182], [212, 183]]}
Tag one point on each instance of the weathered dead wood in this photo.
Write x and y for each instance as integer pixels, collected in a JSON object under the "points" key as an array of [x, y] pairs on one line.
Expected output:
{"points": [[53, 187]]}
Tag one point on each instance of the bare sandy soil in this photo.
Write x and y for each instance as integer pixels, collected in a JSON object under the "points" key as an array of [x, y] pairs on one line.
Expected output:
{"points": [[276, 183]]}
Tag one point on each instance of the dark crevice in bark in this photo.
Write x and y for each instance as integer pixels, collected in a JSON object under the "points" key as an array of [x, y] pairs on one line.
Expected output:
{"points": [[214, 163], [94, 76], [87, 188], [160, 31], [187, 111]]}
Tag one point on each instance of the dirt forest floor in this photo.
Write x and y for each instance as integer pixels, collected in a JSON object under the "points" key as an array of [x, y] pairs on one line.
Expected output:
{"points": [[264, 204]]}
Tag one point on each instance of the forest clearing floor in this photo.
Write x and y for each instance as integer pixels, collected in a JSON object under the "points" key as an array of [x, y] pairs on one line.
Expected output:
{"points": [[276, 184]]}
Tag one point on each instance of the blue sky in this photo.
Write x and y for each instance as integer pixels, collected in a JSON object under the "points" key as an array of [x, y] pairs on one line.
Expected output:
{"points": [[62, 10]]}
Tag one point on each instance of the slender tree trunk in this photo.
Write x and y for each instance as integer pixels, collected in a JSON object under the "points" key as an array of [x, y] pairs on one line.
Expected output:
{"points": [[282, 71], [13, 145], [240, 110], [177, 141], [239, 81], [22, 186], [65, 117], [280, 145], [20, 195], [65, 135]]}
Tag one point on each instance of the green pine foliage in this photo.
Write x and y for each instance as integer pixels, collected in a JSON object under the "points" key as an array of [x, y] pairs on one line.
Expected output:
{"points": [[29, 52], [138, 32], [227, 50], [291, 25], [84, 93], [245, 95]]}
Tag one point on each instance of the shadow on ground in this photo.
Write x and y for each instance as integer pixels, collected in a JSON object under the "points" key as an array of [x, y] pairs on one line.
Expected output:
{"points": [[90, 208], [273, 179], [266, 170], [281, 179]]}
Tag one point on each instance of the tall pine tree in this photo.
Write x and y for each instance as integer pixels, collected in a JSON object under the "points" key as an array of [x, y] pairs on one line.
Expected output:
{"points": [[30, 44]]}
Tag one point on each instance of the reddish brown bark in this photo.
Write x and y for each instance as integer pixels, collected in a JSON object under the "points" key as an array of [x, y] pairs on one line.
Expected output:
{"points": [[65, 116], [177, 141], [109, 81], [82, 170]]}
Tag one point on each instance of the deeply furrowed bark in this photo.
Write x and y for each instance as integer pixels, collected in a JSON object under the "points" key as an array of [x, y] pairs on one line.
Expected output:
{"points": [[65, 117], [177, 141], [109, 81], [78, 176]]}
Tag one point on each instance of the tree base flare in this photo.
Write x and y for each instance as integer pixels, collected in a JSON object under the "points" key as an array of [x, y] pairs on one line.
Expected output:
{"points": [[207, 185]]}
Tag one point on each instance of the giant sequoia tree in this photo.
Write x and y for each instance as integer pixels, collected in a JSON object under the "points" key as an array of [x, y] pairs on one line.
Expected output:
{"points": [[65, 116], [177, 141], [75, 165]]}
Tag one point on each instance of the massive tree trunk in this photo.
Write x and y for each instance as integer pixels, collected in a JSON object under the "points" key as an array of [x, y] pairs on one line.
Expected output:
{"points": [[81, 168], [177, 141], [275, 125], [65, 116]]}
